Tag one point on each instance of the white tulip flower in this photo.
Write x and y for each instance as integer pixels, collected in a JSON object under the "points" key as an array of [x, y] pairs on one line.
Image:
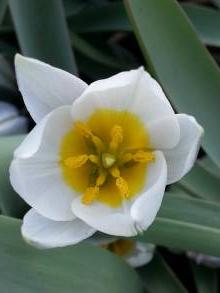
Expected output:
{"points": [[100, 156], [135, 253], [10, 120]]}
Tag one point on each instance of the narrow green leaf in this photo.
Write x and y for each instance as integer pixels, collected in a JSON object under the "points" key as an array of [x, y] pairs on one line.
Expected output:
{"points": [[93, 53], [186, 223], [80, 268], [182, 64], [10, 202], [101, 18], [202, 184], [42, 32], [167, 282], [3, 7], [216, 2], [73, 7], [209, 166], [206, 21], [206, 279]]}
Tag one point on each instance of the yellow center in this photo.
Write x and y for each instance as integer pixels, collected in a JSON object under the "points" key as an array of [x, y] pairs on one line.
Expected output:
{"points": [[105, 158]]}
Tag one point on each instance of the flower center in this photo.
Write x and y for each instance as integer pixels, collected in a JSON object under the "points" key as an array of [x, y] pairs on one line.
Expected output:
{"points": [[107, 154]]}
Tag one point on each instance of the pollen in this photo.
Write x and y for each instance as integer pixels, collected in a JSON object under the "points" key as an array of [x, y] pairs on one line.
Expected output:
{"points": [[106, 157]]}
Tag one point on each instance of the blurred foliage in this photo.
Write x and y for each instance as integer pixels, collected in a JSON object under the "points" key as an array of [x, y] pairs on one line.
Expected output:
{"points": [[179, 44]]}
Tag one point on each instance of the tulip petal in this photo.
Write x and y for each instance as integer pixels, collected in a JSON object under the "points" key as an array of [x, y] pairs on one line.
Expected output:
{"points": [[113, 221], [35, 172], [45, 233], [132, 216], [146, 206], [45, 87], [137, 92], [141, 255], [182, 158]]}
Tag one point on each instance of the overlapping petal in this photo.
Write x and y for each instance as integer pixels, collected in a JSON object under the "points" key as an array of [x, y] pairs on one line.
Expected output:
{"points": [[45, 233], [181, 158], [35, 172], [137, 92], [45, 87]]}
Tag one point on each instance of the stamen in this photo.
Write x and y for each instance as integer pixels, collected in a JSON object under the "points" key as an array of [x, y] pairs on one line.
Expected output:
{"points": [[86, 132], [143, 157], [123, 187], [90, 195], [76, 162], [94, 159], [101, 178], [83, 129], [115, 172], [116, 137], [98, 143], [120, 182], [125, 158]]}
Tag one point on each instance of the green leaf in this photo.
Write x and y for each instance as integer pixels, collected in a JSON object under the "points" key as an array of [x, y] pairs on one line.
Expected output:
{"points": [[188, 74], [10, 202], [158, 277], [216, 2], [188, 224], [206, 21], [102, 18], [93, 53], [80, 268], [206, 279], [209, 166], [42, 32], [3, 7], [202, 184]]}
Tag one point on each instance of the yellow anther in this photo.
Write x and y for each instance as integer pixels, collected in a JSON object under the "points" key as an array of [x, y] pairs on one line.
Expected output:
{"points": [[116, 137], [98, 143], [101, 178], [143, 157], [123, 187], [94, 159], [86, 132], [83, 129], [76, 162], [108, 160], [125, 158], [90, 195], [115, 172]]}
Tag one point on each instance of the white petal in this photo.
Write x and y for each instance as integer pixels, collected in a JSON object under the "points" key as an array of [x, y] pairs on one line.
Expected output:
{"points": [[146, 206], [44, 233], [137, 92], [45, 87], [164, 133], [35, 172], [181, 158], [113, 221], [141, 255], [132, 217]]}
